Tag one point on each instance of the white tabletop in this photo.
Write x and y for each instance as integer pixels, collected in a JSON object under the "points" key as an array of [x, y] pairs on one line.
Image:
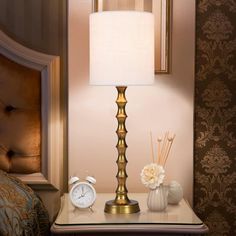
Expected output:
{"points": [[179, 216]]}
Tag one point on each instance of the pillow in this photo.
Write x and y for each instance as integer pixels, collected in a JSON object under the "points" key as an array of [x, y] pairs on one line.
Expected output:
{"points": [[21, 210]]}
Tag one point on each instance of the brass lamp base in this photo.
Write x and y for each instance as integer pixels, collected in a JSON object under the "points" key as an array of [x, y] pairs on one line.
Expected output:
{"points": [[113, 208], [121, 204]]}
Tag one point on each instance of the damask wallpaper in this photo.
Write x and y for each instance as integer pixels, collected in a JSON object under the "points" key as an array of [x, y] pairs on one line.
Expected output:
{"points": [[215, 116]]}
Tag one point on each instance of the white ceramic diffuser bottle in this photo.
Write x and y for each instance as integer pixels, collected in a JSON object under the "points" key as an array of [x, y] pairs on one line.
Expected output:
{"points": [[157, 198]]}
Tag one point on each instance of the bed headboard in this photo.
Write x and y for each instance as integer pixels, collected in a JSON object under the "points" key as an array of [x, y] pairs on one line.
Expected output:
{"points": [[20, 118], [30, 121]]}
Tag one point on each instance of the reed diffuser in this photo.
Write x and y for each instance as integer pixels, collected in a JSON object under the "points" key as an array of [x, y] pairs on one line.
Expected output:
{"points": [[152, 175]]}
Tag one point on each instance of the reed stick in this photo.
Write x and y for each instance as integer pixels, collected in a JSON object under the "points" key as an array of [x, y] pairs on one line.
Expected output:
{"points": [[163, 147], [159, 150], [152, 151], [169, 148], [165, 151]]}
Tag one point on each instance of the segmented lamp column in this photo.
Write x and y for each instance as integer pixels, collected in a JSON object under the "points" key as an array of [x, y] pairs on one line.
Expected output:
{"points": [[121, 204]]}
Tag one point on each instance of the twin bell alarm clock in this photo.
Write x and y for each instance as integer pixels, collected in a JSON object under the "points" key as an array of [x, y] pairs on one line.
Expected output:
{"points": [[82, 194]]}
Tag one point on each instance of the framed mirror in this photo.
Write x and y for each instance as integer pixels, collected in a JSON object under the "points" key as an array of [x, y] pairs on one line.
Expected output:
{"points": [[162, 13]]}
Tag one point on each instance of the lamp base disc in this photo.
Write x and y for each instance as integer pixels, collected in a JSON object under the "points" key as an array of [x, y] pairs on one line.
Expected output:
{"points": [[113, 208]]}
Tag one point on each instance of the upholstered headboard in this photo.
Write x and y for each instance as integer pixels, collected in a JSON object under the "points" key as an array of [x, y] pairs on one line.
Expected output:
{"points": [[30, 121], [20, 118]]}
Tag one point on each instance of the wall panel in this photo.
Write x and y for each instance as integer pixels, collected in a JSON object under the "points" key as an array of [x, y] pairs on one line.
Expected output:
{"points": [[37, 24]]}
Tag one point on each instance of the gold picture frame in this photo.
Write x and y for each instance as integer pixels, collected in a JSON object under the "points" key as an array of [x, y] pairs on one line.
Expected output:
{"points": [[162, 13]]}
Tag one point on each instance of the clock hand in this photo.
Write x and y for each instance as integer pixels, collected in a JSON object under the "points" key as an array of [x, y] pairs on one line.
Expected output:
{"points": [[80, 196], [83, 193], [86, 192]]}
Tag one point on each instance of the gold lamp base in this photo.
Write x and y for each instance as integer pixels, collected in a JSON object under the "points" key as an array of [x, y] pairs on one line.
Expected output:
{"points": [[113, 208], [121, 204]]}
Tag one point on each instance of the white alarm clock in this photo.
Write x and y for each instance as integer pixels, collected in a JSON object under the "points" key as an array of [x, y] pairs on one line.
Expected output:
{"points": [[82, 194]]}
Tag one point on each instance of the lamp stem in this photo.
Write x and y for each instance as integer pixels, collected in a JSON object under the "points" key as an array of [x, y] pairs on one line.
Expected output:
{"points": [[121, 204], [121, 191]]}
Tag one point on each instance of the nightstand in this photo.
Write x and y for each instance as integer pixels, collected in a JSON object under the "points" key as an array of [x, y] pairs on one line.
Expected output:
{"points": [[176, 220]]}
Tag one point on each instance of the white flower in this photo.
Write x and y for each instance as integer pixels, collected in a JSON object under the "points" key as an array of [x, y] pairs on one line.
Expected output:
{"points": [[152, 175]]}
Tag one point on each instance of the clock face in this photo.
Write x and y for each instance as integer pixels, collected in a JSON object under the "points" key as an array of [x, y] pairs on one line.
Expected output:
{"points": [[82, 195]]}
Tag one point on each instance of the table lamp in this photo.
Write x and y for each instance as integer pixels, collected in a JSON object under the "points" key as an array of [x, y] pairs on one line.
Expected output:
{"points": [[121, 54]]}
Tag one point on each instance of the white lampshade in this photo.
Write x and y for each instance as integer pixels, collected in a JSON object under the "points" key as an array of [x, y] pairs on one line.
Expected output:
{"points": [[121, 48]]}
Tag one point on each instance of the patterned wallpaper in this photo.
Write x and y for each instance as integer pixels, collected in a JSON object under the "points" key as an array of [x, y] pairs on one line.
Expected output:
{"points": [[215, 116]]}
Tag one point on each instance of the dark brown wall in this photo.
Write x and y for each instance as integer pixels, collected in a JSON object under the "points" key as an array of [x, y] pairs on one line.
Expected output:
{"points": [[39, 24], [215, 116], [42, 26]]}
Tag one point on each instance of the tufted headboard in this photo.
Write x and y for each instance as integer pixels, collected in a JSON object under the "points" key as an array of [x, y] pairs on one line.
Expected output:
{"points": [[30, 120], [20, 118]]}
